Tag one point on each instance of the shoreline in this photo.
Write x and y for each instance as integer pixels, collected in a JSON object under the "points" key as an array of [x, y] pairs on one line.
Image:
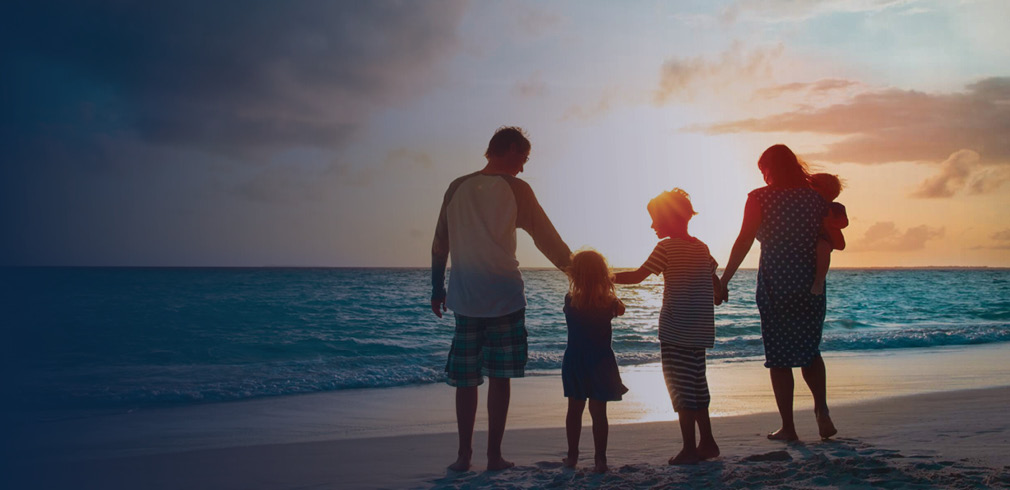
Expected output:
{"points": [[952, 438], [738, 388]]}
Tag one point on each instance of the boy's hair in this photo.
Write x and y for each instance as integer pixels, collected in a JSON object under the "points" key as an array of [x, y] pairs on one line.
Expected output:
{"points": [[671, 207], [503, 140], [829, 183], [589, 281], [780, 167]]}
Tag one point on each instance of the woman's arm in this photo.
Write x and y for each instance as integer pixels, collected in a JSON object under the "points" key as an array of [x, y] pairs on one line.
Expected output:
{"points": [[631, 277], [751, 222]]}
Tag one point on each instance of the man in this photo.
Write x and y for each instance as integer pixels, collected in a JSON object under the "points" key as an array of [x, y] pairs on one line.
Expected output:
{"points": [[477, 225]]}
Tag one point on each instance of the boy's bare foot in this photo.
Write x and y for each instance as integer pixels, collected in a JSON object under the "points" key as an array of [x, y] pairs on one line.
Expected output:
{"points": [[817, 288], [462, 464], [571, 461], [499, 464], [601, 466], [685, 458], [784, 435], [708, 450], [824, 425]]}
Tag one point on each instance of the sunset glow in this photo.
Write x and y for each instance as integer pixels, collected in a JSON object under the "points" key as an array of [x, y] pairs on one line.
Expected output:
{"points": [[310, 143]]}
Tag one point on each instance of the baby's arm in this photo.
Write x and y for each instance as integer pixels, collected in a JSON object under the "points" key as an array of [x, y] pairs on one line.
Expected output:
{"points": [[631, 277]]}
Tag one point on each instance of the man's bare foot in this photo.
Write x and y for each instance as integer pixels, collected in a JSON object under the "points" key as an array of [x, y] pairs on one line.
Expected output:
{"points": [[784, 435], [462, 464], [571, 461], [499, 464], [600, 466], [817, 288], [708, 450], [824, 425], [685, 458]]}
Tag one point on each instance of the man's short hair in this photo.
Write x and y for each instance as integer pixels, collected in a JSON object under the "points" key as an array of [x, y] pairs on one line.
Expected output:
{"points": [[504, 139]]}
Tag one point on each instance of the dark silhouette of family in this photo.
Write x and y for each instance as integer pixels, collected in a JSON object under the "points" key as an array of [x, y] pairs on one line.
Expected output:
{"points": [[794, 217]]}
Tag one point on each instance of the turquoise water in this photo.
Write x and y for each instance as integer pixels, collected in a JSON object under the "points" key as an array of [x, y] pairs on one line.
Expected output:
{"points": [[123, 338]]}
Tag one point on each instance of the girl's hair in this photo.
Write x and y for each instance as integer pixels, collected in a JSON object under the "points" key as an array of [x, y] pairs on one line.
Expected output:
{"points": [[589, 282], [671, 207], [780, 167]]}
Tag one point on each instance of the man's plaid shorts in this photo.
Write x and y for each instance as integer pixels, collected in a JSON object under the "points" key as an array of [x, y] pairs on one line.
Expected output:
{"points": [[494, 347]]}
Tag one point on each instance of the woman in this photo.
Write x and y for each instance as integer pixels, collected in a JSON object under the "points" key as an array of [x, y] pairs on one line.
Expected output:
{"points": [[785, 216]]}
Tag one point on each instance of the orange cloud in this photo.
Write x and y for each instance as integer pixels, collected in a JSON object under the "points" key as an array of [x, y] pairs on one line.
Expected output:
{"points": [[807, 88], [962, 170], [901, 125], [884, 236], [681, 78]]}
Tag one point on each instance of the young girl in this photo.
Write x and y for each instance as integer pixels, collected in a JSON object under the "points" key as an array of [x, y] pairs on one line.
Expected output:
{"points": [[686, 320], [589, 370]]}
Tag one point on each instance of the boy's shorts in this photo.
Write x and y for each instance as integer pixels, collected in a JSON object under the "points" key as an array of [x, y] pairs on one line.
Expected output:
{"points": [[684, 372], [494, 347]]}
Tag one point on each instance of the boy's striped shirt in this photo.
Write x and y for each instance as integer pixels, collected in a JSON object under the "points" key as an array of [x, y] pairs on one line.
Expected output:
{"points": [[687, 318]]}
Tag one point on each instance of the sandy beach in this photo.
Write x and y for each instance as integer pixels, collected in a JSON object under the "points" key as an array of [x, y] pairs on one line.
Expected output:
{"points": [[930, 418]]}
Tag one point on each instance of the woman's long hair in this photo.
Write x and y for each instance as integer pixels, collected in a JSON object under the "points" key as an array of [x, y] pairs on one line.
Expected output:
{"points": [[589, 281], [781, 168]]}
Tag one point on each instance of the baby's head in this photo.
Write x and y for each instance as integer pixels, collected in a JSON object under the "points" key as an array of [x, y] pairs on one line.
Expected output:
{"points": [[670, 211], [827, 185]]}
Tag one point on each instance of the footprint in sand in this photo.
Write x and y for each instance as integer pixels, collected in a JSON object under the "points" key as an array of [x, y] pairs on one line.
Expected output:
{"points": [[548, 465], [772, 456]]}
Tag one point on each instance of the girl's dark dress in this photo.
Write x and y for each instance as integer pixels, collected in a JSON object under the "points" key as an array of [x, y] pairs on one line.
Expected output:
{"points": [[589, 369]]}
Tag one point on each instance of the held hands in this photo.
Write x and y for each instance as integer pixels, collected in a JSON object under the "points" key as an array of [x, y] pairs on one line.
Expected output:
{"points": [[722, 291]]}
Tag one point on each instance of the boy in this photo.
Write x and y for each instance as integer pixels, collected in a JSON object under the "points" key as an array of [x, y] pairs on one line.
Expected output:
{"points": [[686, 320]]}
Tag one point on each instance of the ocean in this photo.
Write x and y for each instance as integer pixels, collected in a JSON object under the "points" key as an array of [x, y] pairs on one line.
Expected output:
{"points": [[128, 338]]}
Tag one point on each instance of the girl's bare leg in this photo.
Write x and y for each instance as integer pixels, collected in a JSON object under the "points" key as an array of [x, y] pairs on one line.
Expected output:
{"points": [[573, 427], [601, 430]]}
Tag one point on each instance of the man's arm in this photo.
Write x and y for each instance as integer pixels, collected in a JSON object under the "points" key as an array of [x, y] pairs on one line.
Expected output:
{"points": [[439, 259], [532, 218]]}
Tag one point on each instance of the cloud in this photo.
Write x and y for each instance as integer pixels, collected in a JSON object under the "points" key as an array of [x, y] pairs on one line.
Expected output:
{"points": [[533, 88], [901, 125], [1002, 235], [793, 11], [884, 236], [806, 88], [600, 107], [962, 170], [683, 78], [223, 77]]}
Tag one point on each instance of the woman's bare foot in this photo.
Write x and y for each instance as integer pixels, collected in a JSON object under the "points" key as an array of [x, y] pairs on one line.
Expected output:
{"points": [[708, 450], [784, 435], [571, 461], [824, 424], [499, 464], [601, 465], [684, 457]]}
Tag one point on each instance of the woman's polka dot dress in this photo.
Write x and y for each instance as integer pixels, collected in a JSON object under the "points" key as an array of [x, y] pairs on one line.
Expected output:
{"points": [[791, 317]]}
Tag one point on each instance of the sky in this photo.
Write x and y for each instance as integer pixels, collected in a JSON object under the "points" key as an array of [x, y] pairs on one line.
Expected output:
{"points": [[324, 133]]}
